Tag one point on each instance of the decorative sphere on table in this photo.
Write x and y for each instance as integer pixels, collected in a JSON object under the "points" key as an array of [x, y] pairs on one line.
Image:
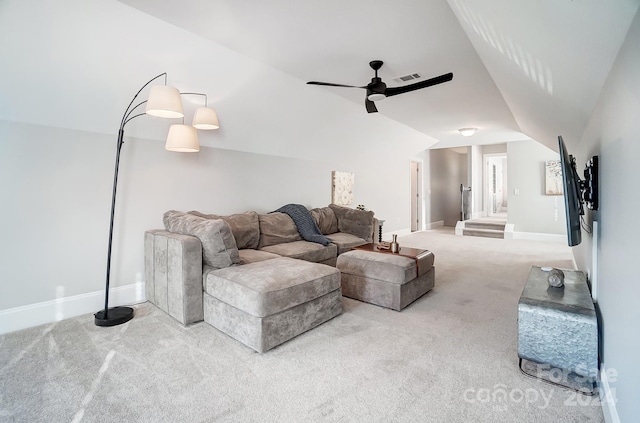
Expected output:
{"points": [[556, 278]]}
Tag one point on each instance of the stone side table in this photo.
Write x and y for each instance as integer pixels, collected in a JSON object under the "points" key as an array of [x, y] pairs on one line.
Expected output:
{"points": [[558, 327]]}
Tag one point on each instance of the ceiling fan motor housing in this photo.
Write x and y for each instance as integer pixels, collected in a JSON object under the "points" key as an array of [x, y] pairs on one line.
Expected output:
{"points": [[376, 89]]}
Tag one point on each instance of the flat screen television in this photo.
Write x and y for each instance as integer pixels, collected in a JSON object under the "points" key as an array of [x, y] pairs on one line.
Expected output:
{"points": [[577, 192]]}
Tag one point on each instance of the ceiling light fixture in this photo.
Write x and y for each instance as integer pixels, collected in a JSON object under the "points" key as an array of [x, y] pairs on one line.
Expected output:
{"points": [[467, 132]]}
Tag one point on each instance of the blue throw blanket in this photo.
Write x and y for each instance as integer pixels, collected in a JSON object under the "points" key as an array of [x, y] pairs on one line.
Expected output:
{"points": [[307, 227]]}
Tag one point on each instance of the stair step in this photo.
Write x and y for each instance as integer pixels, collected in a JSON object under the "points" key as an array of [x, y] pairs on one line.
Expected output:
{"points": [[486, 233], [484, 225]]}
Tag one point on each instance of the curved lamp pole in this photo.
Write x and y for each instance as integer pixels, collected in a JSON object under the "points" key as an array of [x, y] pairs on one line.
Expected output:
{"points": [[168, 107]]}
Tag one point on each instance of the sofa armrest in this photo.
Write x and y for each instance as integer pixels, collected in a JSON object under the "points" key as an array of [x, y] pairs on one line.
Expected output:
{"points": [[173, 271], [359, 223]]}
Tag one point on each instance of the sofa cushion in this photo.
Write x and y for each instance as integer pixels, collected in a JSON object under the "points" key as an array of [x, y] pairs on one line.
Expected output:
{"points": [[345, 242], [249, 255], [268, 287], [277, 228], [218, 244], [245, 227], [325, 219], [304, 250], [355, 222]]}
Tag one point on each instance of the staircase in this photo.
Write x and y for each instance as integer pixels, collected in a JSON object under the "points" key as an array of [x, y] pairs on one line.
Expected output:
{"points": [[487, 228]]}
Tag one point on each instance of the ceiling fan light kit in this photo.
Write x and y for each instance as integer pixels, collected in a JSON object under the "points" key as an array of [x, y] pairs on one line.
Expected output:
{"points": [[377, 90], [376, 97]]}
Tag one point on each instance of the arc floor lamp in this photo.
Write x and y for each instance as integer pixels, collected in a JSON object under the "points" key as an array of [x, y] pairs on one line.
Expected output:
{"points": [[163, 101]]}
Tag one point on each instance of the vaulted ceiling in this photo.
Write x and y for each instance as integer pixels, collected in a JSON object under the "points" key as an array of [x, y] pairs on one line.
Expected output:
{"points": [[521, 69]]}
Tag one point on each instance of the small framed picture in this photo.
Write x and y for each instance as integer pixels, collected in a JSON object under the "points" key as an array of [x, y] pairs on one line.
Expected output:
{"points": [[553, 178]]}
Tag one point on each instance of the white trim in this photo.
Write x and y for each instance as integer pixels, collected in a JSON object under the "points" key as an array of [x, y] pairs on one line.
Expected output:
{"points": [[607, 398], [434, 225], [460, 225], [532, 236], [509, 233], [23, 317], [386, 236]]}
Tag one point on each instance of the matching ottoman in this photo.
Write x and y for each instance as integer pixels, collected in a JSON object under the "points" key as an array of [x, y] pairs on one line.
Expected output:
{"points": [[387, 280], [266, 303]]}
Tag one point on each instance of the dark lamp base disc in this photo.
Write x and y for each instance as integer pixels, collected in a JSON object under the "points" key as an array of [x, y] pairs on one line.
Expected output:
{"points": [[115, 316]]}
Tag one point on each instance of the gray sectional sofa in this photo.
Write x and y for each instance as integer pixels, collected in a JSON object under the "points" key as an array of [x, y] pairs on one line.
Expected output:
{"points": [[251, 275]]}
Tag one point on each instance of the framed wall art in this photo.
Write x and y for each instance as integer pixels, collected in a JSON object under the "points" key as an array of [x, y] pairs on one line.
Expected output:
{"points": [[342, 188], [553, 178]]}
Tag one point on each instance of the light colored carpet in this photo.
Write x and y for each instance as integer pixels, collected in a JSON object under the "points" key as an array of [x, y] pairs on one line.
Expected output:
{"points": [[449, 357]]}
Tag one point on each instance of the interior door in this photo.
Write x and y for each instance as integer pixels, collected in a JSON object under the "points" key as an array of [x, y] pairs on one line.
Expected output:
{"points": [[416, 206]]}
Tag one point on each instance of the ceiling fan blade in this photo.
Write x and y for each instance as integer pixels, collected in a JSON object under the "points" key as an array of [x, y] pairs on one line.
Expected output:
{"points": [[418, 85], [329, 84], [370, 105]]}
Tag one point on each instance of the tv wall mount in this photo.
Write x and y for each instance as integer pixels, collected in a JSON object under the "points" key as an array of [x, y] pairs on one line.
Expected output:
{"points": [[589, 185]]}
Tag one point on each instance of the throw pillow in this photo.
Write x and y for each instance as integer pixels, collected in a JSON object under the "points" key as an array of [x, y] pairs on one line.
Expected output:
{"points": [[354, 222], [325, 219], [277, 228], [218, 244], [245, 227]]}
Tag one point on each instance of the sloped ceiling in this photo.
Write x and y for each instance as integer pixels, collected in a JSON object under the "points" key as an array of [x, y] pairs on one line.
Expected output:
{"points": [[521, 69], [548, 58], [78, 62]]}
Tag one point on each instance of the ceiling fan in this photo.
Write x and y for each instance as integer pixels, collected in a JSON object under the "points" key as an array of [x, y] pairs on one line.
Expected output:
{"points": [[377, 90]]}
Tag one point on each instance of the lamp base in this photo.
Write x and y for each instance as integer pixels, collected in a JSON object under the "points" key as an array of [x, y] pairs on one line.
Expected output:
{"points": [[115, 316]]}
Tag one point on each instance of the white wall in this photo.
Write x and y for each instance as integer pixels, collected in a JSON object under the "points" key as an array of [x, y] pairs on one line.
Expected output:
{"points": [[494, 148], [278, 142], [612, 134], [57, 187], [531, 210]]}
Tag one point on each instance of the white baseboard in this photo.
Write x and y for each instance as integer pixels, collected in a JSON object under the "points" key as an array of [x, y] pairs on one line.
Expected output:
{"points": [[607, 398], [23, 317], [433, 225], [509, 233]]}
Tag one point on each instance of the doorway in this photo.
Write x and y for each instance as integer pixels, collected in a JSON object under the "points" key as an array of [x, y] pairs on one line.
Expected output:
{"points": [[416, 201], [495, 186]]}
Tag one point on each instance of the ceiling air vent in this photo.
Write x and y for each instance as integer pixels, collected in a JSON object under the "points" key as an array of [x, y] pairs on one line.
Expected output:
{"points": [[407, 78]]}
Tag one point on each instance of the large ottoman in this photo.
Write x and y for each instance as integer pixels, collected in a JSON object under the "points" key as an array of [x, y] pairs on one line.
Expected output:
{"points": [[266, 303], [387, 280]]}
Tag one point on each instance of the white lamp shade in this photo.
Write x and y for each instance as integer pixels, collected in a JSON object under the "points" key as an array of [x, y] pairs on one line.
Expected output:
{"points": [[182, 138], [467, 132], [164, 102], [206, 118]]}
